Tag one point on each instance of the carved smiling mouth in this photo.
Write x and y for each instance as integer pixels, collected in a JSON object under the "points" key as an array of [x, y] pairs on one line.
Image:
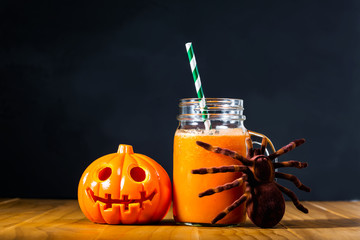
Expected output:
{"points": [[125, 199]]}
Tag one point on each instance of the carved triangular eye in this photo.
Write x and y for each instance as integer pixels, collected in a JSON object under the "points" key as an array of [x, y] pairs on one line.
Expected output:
{"points": [[137, 174], [104, 173]]}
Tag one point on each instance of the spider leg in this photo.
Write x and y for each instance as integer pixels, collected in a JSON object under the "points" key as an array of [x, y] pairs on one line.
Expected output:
{"points": [[225, 152], [223, 169], [286, 148], [293, 179], [293, 197], [250, 148], [228, 186], [263, 146], [291, 163], [234, 205]]}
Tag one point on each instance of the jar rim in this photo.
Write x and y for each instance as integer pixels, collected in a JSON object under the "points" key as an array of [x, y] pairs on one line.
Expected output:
{"points": [[221, 98], [232, 101], [216, 109]]}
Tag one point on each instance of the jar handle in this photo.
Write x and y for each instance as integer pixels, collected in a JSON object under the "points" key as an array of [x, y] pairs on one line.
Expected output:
{"points": [[252, 133]]}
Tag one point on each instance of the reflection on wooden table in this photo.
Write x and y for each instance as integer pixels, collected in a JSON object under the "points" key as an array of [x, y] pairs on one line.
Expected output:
{"points": [[62, 219]]}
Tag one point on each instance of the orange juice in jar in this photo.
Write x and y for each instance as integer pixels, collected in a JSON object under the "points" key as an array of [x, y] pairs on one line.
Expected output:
{"points": [[227, 131]]}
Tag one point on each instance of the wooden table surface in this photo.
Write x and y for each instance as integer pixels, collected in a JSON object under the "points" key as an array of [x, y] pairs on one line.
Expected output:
{"points": [[63, 219]]}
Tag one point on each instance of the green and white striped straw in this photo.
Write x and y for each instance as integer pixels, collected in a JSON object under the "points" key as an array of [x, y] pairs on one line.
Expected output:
{"points": [[199, 89]]}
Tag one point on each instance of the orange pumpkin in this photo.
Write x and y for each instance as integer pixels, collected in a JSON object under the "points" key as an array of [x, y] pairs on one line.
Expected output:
{"points": [[124, 188]]}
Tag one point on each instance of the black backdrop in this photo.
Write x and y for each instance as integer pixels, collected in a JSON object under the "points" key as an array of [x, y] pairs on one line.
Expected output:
{"points": [[78, 78]]}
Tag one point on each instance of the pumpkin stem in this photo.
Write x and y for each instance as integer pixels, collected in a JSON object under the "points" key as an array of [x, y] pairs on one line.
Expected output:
{"points": [[123, 148]]}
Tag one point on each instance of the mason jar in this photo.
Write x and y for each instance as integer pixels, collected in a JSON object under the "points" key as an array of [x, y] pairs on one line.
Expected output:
{"points": [[220, 123]]}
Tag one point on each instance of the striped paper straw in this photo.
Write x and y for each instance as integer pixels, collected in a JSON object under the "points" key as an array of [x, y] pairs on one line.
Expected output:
{"points": [[199, 89]]}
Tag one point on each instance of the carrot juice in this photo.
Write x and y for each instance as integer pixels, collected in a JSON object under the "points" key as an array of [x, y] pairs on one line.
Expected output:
{"points": [[188, 207]]}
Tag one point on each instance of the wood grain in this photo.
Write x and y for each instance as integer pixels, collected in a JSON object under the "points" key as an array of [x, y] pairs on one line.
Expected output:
{"points": [[62, 219]]}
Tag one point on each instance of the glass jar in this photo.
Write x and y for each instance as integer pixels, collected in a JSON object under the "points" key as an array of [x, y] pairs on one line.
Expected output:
{"points": [[226, 130]]}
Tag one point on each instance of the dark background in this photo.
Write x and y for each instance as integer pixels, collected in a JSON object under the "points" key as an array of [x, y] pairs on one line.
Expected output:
{"points": [[79, 78]]}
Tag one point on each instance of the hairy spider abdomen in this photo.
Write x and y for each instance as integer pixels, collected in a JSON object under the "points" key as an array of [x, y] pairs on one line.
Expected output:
{"points": [[266, 207]]}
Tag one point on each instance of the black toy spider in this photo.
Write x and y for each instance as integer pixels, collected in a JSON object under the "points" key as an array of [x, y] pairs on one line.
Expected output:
{"points": [[265, 203]]}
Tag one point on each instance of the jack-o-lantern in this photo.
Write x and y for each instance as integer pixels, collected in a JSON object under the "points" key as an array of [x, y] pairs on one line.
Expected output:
{"points": [[124, 188]]}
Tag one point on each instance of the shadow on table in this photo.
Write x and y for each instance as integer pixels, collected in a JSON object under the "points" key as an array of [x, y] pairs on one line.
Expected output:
{"points": [[322, 223], [171, 222], [315, 223], [247, 224]]}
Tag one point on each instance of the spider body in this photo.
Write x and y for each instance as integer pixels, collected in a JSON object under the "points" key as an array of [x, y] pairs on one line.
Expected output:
{"points": [[266, 195], [265, 204]]}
